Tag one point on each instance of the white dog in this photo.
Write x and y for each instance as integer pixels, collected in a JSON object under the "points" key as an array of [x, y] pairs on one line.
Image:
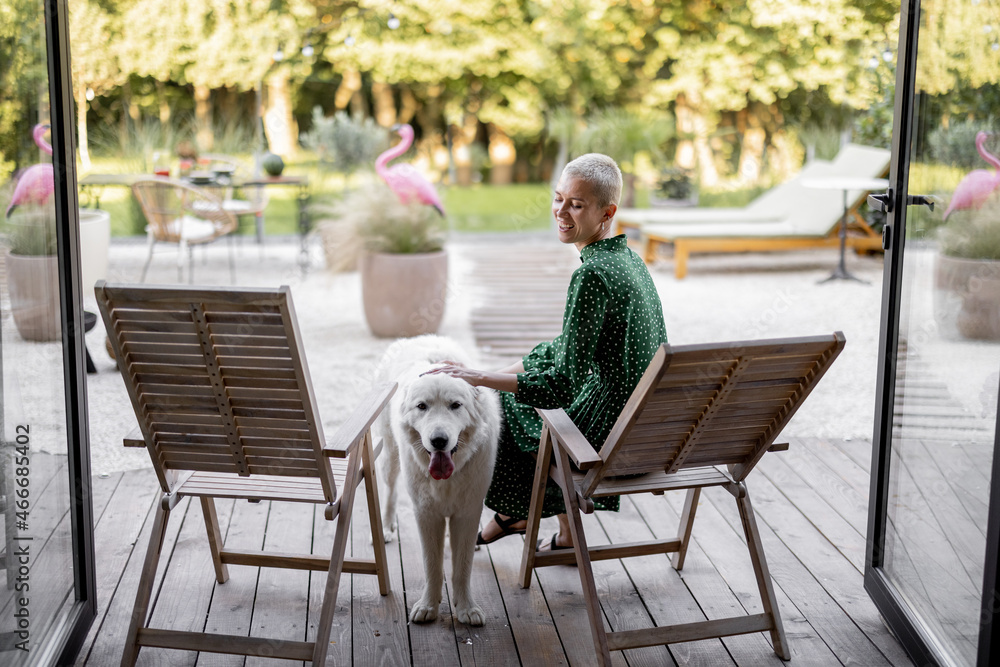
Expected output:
{"points": [[442, 433]]}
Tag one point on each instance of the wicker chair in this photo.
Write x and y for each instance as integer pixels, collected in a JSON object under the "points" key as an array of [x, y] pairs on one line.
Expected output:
{"points": [[183, 214]]}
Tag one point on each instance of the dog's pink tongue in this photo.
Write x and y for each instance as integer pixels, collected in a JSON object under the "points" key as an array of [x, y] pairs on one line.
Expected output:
{"points": [[441, 465]]}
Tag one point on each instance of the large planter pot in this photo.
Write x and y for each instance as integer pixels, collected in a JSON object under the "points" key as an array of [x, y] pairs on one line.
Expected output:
{"points": [[404, 295], [95, 238], [33, 282], [967, 297]]}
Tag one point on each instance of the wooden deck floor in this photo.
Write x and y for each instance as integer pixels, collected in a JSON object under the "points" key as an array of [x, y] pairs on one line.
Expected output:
{"points": [[811, 503]]}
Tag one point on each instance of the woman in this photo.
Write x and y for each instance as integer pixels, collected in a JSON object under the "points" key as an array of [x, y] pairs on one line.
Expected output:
{"points": [[612, 326]]}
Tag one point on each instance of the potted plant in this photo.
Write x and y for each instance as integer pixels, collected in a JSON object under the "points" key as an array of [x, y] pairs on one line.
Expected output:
{"points": [[674, 187], [33, 272], [967, 272], [402, 261]]}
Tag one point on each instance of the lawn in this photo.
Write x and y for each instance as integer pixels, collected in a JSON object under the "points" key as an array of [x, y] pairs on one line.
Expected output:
{"points": [[476, 208]]}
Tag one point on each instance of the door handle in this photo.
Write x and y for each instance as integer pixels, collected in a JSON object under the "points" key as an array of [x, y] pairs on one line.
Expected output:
{"points": [[881, 203], [920, 200]]}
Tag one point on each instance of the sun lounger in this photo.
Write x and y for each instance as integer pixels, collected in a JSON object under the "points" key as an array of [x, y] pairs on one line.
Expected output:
{"points": [[787, 217]]}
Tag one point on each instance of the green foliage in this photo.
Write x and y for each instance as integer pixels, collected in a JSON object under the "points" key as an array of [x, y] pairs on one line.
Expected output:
{"points": [[22, 77], [973, 234], [343, 143], [674, 183], [31, 230], [387, 225], [621, 134], [956, 144]]}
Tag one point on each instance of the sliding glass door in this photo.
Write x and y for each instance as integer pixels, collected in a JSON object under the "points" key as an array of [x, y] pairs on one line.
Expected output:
{"points": [[46, 566], [935, 435]]}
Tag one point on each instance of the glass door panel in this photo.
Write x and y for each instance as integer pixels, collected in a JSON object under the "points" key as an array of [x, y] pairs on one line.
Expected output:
{"points": [[40, 492], [940, 405]]}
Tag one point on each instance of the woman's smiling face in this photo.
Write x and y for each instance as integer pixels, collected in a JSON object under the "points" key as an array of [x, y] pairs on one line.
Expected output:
{"points": [[580, 219]]}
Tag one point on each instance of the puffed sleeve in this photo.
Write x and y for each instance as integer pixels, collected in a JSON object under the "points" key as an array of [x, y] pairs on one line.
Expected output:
{"points": [[539, 358], [573, 351]]}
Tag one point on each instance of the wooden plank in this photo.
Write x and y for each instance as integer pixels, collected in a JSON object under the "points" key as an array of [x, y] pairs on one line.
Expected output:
{"points": [[109, 635], [727, 564], [51, 546], [435, 643], [279, 611], [493, 643], [533, 629], [340, 642], [380, 626], [116, 529], [714, 596], [851, 637], [232, 603], [815, 506], [623, 609], [661, 589], [187, 586]]}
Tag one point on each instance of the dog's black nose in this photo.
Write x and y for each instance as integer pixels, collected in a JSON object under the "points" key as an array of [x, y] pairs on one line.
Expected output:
{"points": [[439, 443]]}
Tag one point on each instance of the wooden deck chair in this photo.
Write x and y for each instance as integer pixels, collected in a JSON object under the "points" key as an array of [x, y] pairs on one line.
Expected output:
{"points": [[220, 387], [701, 416]]}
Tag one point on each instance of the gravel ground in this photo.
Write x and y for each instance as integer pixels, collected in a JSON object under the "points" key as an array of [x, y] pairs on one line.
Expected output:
{"points": [[725, 297]]}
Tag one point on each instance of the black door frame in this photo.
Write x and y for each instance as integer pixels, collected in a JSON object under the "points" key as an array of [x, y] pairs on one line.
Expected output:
{"points": [[921, 645], [61, 645]]}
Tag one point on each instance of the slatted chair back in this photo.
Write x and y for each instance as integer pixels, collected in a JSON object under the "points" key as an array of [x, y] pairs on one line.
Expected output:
{"points": [[713, 404], [218, 380]]}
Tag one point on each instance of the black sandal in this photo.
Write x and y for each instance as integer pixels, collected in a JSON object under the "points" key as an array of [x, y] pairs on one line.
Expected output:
{"points": [[505, 530], [553, 546]]}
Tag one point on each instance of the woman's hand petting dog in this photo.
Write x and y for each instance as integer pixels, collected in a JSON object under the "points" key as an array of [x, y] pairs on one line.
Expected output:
{"points": [[477, 378]]}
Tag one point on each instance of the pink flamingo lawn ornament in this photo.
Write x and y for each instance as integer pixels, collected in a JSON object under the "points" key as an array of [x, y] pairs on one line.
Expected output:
{"points": [[37, 182], [408, 183], [978, 185]]}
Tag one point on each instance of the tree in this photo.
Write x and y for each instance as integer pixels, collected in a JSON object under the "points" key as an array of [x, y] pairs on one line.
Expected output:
{"points": [[215, 44], [23, 82], [734, 55], [95, 39]]}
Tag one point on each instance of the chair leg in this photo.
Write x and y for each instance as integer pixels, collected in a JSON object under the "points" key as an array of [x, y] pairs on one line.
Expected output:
{"points": [[583, 563], [375, 515], [542, 463], [681, 254], [768, 600], [336, 568], [143, 594], [149, 258], [214, 538], [232, 260], [687, 522]]}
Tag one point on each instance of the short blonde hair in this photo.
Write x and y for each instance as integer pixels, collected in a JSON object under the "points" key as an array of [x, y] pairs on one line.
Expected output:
{"points": [[601, 172]]}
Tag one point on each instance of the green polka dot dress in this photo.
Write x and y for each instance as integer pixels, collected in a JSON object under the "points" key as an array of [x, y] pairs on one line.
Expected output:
{"points": [[612, 326]]}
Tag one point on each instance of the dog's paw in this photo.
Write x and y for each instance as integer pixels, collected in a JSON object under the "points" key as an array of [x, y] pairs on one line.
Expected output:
{"points": [[388, 530], [423, 612], [471, 616]]}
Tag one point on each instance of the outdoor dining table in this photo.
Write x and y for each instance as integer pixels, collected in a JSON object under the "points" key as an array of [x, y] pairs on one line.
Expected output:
{"points": [[92, 185]]}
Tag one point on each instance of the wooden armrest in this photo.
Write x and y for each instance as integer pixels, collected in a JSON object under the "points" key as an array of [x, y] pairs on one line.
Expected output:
{"points": [[134, 438], [351, 432], [778, 447], [579, 450]]}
